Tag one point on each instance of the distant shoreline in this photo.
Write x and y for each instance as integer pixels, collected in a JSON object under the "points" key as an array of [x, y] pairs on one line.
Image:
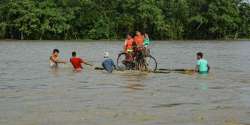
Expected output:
{"points": [[106, 40]]}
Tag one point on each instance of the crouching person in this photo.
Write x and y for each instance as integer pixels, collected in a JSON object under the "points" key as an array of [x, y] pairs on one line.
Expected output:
{"points": [[108, 63]]}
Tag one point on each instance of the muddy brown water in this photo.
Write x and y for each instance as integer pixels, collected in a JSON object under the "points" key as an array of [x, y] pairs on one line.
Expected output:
{"points": [[33, 94]]}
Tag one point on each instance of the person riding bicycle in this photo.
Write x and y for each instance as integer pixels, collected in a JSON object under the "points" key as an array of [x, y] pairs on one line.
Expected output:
{"points": [[134, 56], [128, 48], [128, 45], [147, 41], [139, 49], [139, 39], [146, 44]]}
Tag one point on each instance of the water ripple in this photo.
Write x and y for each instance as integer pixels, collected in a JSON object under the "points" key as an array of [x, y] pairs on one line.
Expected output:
{"points": [[173, 105]]}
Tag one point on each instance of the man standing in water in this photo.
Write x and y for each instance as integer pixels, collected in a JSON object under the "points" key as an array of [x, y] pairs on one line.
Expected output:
{"points": [[108, 64], [77, 62], [202, 66], [54, 59]]}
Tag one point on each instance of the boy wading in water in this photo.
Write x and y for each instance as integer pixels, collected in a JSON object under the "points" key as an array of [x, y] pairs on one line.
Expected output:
{"points": [[55, 59], [77, 62], [202, 66]]}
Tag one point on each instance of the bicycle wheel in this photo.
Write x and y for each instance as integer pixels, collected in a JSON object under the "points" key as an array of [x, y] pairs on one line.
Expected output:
{"points": [[151, 63], [123, 64]]}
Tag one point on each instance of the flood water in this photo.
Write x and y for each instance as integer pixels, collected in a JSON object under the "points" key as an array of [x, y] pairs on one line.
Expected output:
{"points": [[33, 94]]}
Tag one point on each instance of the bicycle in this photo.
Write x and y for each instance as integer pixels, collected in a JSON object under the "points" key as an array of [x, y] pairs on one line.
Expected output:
{"points": [[140, 59]]}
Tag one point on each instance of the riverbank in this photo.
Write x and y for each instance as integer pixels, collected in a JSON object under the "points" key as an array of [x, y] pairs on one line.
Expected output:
{"points": [[115, 40]]}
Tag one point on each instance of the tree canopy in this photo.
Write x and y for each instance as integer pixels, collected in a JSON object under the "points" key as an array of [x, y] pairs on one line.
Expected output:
{"points": [[112, 19]]}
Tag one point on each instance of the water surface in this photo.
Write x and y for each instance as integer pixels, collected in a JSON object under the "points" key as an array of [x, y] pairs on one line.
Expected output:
{"points": [[33, 94]]}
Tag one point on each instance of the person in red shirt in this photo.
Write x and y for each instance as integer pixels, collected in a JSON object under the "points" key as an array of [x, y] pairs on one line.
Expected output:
{"points": [[77, 62]]}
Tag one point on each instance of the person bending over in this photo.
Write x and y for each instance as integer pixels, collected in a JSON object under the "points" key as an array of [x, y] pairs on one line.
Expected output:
{"points": [[108, 63], [77, 62]]}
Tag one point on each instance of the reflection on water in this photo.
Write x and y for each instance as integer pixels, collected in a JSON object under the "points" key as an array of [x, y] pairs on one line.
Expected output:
{"points": [[33, 94], [134, 79]]}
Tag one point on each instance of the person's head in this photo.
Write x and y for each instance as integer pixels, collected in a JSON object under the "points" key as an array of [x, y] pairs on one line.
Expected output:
{"points": [[73, 54], [106, 55], [56, 51], [138, 33], [129, 36], [199, 55]]}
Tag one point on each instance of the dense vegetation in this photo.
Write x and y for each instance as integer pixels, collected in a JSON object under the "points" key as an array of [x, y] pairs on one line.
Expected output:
{"points": [[112, 19]]}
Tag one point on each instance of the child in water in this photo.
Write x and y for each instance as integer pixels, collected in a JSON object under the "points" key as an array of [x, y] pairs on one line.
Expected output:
{"points": [[146, 40], [77, 62], [55, 59], [146, 44], [202, 66], [129, 48]]}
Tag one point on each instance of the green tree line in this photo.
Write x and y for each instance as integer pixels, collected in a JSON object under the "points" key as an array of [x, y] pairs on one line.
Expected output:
{"points": [[112, 19]]}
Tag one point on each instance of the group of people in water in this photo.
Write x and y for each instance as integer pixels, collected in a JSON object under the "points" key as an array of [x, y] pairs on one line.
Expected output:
{"points": [[138, 41], [108, 63], [132, 43]]}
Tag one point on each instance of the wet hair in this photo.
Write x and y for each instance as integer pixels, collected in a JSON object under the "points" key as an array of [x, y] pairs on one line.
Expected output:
{"points": [[200, 54], [73, 53], [141, 33], [56, 51], [130, 34]]}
